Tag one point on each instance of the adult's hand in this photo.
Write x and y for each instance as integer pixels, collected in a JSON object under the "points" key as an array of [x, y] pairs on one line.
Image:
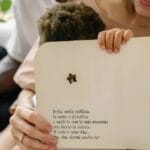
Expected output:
{"points": [[24, 99], [31, 130]]}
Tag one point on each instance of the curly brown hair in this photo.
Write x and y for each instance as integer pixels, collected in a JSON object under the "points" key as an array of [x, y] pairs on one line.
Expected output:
{"points": [[69, 21]]}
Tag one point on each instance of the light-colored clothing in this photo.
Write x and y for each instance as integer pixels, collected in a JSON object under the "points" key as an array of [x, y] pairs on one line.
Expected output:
{"points": [[27, 13], [5, 31]]}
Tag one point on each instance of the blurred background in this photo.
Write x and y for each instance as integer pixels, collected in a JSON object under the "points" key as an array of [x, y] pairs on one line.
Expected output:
{"points": [[7, 22]]}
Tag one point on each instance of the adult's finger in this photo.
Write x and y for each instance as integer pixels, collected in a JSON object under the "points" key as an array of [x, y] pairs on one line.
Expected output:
{"points": [[20, 125], [35, 144], [34, 118], [13, 107]]}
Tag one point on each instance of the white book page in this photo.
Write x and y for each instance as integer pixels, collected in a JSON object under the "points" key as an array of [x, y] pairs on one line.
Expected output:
{"points": [[108, 106]]}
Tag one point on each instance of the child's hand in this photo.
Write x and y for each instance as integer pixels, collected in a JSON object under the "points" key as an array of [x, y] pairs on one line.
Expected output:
{"points": [[112, 39]]}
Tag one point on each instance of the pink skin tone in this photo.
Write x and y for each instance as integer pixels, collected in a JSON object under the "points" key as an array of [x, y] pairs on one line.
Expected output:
{"points": [[111, 40], [38, 130], [142, 7]]}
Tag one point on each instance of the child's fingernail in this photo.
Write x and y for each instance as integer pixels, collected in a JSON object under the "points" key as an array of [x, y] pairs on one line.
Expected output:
{"points": [[116, 51], [109, 51], [103, 47]]}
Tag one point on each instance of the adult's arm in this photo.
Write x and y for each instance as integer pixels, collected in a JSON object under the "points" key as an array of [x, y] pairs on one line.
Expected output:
{"points": [[24, 77]]}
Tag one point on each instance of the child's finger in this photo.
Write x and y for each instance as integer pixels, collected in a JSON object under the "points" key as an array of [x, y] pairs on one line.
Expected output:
{"points": [[118, 40], [127, 35], [102, 39], [110, 40]]}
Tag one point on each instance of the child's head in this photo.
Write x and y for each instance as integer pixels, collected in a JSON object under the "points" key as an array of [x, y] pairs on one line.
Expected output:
{"points": [[69, 21]]}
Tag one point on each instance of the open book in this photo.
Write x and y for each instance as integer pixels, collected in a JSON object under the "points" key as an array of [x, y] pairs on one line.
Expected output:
{"points": [[94, 99]]}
